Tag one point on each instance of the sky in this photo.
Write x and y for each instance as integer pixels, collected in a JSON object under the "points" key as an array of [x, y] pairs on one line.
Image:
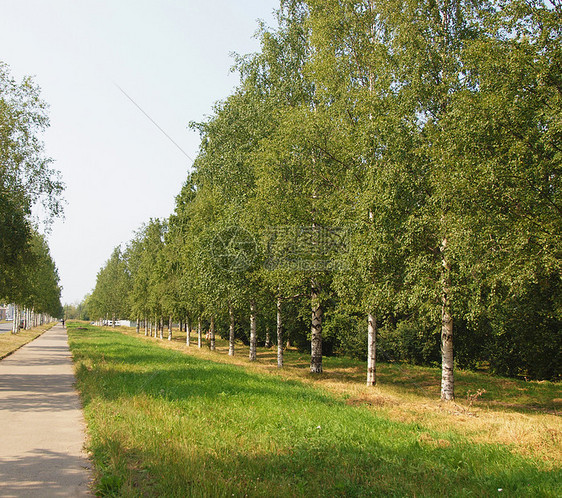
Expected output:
{"points": [[97, 62]]}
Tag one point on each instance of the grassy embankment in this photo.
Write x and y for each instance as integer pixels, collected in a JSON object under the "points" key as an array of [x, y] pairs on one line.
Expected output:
{"points": [[11, 342], [166, 423]]}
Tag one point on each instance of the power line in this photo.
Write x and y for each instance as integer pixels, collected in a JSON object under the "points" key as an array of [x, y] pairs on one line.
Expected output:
{"points": [[153, 122]]}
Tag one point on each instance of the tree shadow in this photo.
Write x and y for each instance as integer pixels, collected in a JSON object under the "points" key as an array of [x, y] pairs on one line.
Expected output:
{"points": [[42, 472]]}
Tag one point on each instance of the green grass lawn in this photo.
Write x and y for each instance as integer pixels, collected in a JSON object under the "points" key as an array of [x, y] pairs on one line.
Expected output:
{"points": [[163, 423]]}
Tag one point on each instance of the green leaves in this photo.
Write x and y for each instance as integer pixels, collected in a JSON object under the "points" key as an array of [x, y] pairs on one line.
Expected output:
{"points": [[27, 273], [428, 131]]}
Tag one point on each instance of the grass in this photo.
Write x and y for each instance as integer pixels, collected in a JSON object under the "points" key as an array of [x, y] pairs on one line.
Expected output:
{"points": [[12, 342], [522, 415], [166, 423]]}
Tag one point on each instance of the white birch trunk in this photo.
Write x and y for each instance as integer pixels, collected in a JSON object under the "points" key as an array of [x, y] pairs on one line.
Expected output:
{"points": [[372, 350], [279, 334], [14, 319], [231, 332], [187, 333], [212, 338], [447, 359], [161, 327], [253, 337], [170, 325], [316, 333], [199, 334], [138, 325], [145, 326], [267, 338]]}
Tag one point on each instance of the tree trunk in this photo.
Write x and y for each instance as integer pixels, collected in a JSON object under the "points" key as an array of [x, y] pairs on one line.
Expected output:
{"points": [[253, 337], [199, 334], [14, 319], [187, 333], [372, 350], [145, 326], [316, 332], [231, 332], [113, 324], [170, 325], [138, 325], [279, 334], [161, 327], [267, 338], [447, 373], [212, 333]]}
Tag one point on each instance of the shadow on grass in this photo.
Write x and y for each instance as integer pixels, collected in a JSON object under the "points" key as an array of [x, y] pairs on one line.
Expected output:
{"points": [[314, 467], [173, 375], [503, 394]]}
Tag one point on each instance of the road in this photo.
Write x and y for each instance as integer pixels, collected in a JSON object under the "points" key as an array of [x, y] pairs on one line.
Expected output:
{"points": [[5, 327]]}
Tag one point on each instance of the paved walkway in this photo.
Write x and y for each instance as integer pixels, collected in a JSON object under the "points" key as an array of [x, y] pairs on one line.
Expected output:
{"points": [[41, 422]]}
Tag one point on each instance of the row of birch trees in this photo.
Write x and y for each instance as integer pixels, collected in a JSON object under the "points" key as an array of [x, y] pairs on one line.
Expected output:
{"points": [[385, 171], [28, 275]]}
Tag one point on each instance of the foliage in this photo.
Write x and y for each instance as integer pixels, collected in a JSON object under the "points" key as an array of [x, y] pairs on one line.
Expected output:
{"points": [[28, 276], [424, 137]]}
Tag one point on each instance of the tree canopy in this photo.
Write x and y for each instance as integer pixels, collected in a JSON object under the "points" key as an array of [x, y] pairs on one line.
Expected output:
{"points": [[28, 275], [386, 177]]}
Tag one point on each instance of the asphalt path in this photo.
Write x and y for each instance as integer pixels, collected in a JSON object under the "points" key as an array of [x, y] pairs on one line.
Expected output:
{"points": [[41, 422], [5, 327]]}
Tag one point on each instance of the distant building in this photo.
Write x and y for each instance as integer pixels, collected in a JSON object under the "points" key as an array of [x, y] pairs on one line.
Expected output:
{"points": [[124, 323], [119, 323], [6, 312]]}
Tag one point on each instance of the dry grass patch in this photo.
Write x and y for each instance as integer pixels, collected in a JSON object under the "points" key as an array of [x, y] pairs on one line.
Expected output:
{"points": [[12, 342]]}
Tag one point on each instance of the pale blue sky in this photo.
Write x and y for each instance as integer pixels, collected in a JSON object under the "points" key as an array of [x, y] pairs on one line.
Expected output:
{"points": [[171, 57]]}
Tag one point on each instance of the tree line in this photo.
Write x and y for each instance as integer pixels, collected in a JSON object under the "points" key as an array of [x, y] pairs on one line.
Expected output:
{"points": [[28, 275], [385, 177]]}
